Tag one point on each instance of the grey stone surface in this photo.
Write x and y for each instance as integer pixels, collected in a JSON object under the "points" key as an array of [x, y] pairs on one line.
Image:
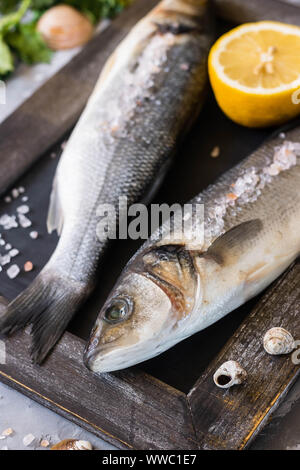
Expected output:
{"points": [[25, 417]]}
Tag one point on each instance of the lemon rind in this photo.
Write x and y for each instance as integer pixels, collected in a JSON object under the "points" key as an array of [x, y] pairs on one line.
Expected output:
{"points": [[227, 38]]}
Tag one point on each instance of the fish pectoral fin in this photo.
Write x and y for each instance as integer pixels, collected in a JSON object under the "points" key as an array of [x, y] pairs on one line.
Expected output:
{"points": [[55, 219], [231, 243]]}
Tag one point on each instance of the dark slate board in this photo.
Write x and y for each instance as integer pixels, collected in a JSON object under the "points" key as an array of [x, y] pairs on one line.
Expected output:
{"points": [[156, 405], [185, 179]]}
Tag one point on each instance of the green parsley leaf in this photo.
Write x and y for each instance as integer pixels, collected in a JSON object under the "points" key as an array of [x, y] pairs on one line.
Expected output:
{"points": [[6, 59], [29, 44], [9, 21]]}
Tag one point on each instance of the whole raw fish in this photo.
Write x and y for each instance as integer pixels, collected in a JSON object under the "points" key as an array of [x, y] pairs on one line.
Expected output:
{"points": [[241, 11], [173, 288], [149, 92]]}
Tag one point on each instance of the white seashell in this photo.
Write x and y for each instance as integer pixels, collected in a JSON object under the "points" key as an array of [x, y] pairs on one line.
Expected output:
{"points": [[278, 341], [83, 445], [63, 27], [230, 373], [28, 439], [72, 444]]}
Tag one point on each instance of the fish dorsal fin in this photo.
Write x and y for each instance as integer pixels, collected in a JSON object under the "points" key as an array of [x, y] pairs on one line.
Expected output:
{"points": [[55, 219], [232, 242]]}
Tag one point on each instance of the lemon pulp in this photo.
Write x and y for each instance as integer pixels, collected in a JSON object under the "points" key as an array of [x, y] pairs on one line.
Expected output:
{"points": [[254, 70]]}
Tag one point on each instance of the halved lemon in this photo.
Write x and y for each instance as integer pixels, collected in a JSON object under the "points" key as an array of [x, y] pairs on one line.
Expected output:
{"points": [[254, 71]]}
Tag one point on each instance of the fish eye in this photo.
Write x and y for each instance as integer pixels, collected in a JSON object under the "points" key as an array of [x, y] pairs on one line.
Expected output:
{"points": [[118, 310], [163, 257]]}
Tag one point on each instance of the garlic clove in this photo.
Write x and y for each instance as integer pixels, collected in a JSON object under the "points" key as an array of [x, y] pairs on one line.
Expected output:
{"points": [[72, 444], [278, 341], [63, 27], [230, 373]]}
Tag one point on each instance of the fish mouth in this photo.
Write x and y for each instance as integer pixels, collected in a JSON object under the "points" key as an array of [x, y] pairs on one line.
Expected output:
{"points": [[90, 358], [93, 347], [108, 358], [102, 357], [105, 359]]}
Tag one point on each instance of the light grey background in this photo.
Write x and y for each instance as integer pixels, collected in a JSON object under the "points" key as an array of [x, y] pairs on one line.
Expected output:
{"points": [[25, 416]]}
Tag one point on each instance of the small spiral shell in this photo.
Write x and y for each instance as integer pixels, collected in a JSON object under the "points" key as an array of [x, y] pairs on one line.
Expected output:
{"points": [[230, 373], [278, 341], [72, 444]]}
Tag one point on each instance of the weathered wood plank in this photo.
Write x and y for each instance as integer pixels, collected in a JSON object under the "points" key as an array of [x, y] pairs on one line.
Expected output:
{"points": [[45, 117], [230, 419], [129, 409]]}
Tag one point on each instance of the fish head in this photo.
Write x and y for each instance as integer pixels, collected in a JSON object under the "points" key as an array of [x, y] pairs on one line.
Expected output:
{"points": [[131, 325], [142, 315]]}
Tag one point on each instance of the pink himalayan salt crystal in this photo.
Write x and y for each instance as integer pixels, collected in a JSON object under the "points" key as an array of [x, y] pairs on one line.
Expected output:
{"points": [[28, 266]]}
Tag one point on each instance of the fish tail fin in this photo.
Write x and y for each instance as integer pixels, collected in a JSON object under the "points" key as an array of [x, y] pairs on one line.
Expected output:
{"points": [[49, 304]]}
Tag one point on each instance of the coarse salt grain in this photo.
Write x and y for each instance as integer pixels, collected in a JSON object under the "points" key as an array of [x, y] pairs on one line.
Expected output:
{"points": [[5, 259], [7, 199], [15, 193], [24, 209], [13, 271], [5, 219], [215, 152], [7, 432], [8, 246], [24, 221], [231, 196], [28, 266], [14, 252], [34, 235], [273, 170], [184, 66], [44, 443], [8, 222], [28, 439]]}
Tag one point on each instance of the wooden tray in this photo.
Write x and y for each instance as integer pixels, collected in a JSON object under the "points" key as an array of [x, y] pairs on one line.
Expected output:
{"points": [[169, 402]]}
